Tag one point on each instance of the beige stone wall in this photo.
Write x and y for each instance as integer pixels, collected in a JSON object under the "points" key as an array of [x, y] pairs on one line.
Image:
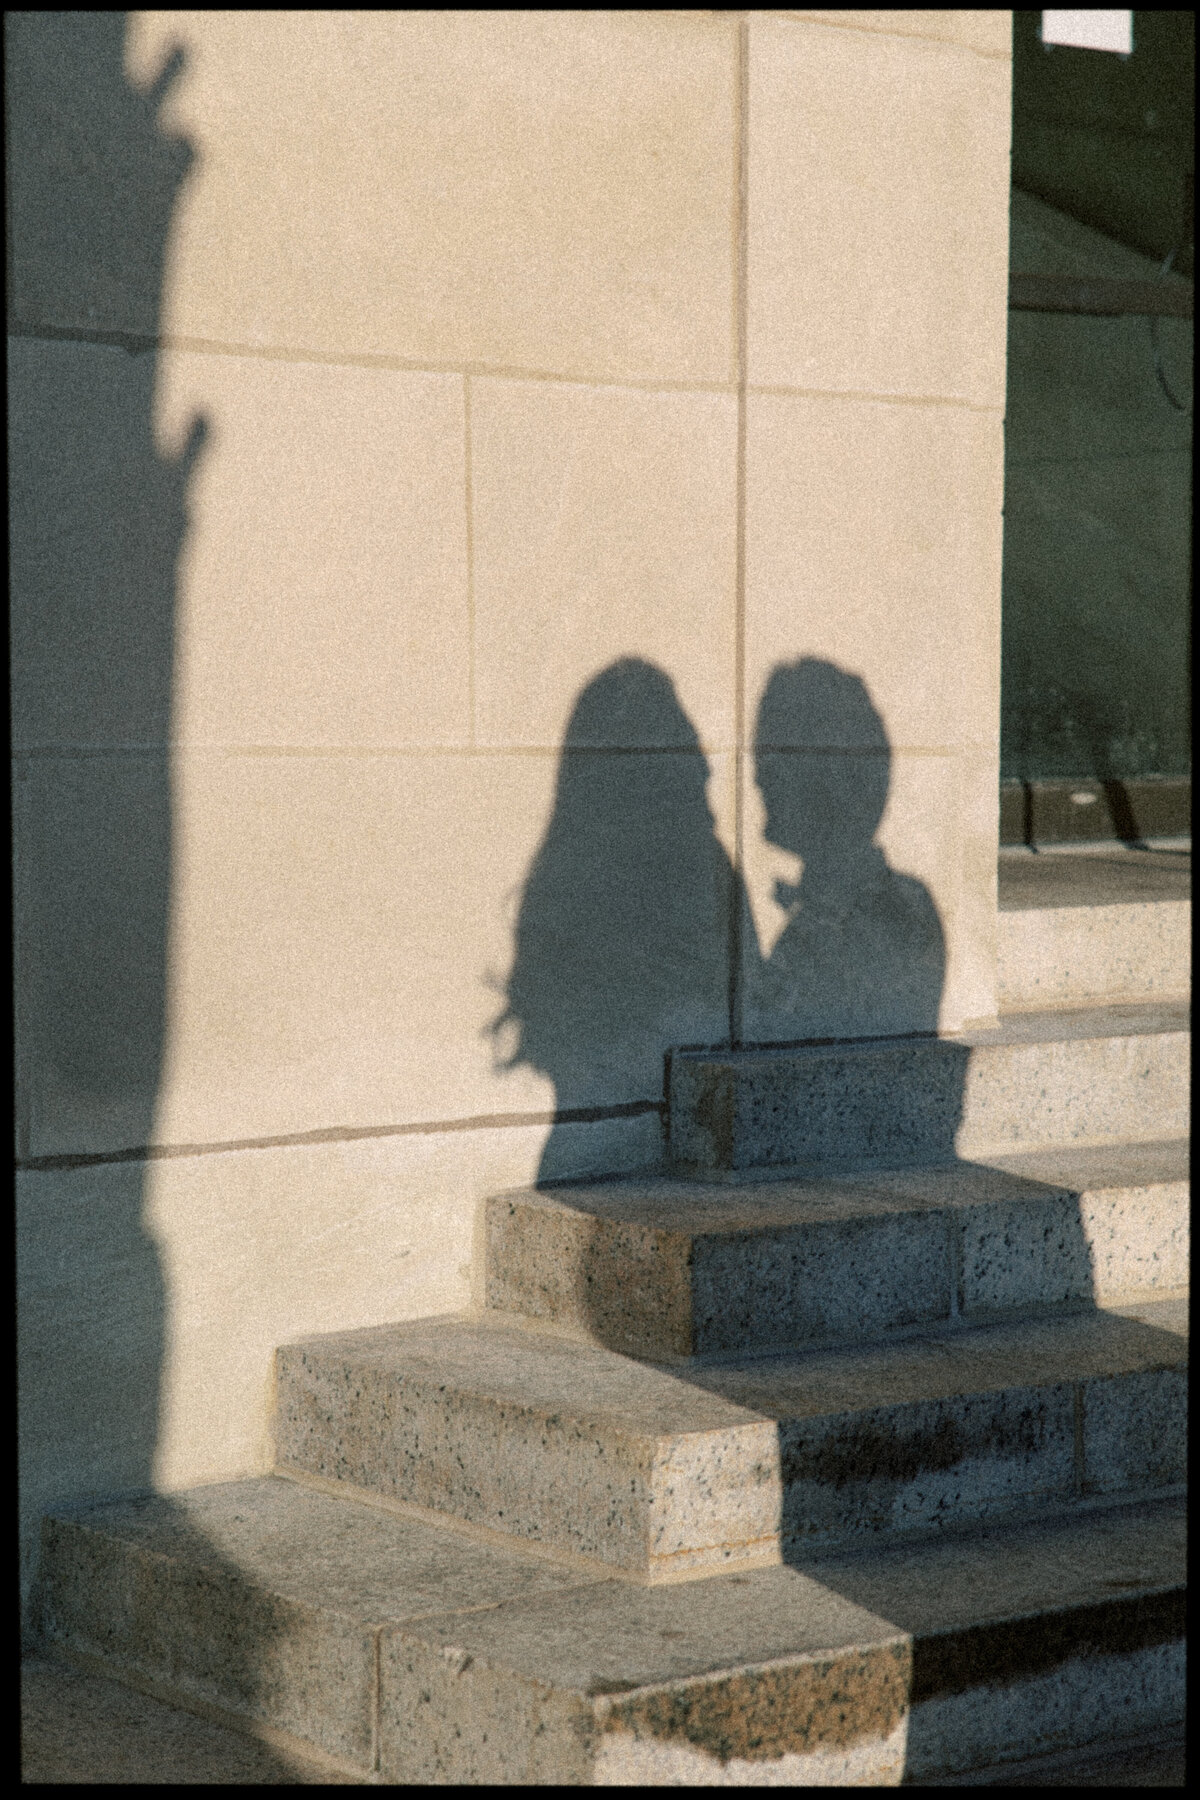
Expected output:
{"points": [[373, 396]]}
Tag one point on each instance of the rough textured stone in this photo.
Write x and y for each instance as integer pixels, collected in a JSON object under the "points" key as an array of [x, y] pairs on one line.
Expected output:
{"points": [[657, 1471], [261, 1599], [855, 1669], [766, 1680], [1076, 1617], [659, 1267], [1034, 1638], [665, 1268], [561, 1444], [1135, 1431], [1092, 1075], [86, 1728]]}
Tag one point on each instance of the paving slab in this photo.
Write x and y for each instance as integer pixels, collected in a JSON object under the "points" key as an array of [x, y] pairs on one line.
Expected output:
{"points": [[663, 1267], [662, 1472]]}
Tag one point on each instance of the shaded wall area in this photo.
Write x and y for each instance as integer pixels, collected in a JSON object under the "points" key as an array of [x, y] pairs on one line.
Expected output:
{"points": [[97, 522]]}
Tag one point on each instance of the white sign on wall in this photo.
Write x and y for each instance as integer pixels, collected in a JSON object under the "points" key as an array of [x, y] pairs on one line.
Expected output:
{"points": [[1090, 30]]}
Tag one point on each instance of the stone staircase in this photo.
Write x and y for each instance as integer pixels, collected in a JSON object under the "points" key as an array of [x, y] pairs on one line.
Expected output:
{"points": [[849, 1452]]}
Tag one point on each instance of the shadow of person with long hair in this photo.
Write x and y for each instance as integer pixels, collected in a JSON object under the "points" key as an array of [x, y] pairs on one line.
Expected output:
{"points": [[622, 936]]}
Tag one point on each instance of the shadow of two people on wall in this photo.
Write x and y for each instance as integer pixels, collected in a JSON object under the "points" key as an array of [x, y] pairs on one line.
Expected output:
{"points": [[634, 931]]}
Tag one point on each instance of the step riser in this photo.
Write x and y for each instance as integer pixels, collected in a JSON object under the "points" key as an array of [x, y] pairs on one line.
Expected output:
{"points": [[651, 1292], [669, 1506], [1086, 1700], [434, 1719], [1069, 955], [922, 1100]]}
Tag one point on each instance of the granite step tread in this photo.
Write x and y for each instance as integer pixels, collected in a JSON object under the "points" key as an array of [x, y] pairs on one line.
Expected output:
{"points": [[660, 1266], [662, 1472], [1098, 1074], [1063, 955], [407, 1653]]}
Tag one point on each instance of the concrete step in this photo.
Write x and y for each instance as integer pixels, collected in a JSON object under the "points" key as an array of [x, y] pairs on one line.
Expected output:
{"points": [[665, 1473], [1089, 1075], [1109, 924], [661, 1267], [410, 1654]]}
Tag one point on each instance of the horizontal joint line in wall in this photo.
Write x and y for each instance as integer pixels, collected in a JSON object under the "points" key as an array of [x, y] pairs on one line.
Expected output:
{"points": [[364, 752], [345, 1134], [138, 343]]}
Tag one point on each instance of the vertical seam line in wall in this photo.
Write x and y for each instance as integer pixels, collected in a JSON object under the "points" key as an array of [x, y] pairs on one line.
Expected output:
{"points": [[469, 499], [374, 1751], [742, 146]]}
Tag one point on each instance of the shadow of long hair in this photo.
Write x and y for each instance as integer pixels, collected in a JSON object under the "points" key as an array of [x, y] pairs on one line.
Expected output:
{"points": [[621, 937]]}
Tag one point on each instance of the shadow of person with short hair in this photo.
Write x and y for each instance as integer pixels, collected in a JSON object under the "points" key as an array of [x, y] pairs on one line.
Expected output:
{"points": [[863, 953]]}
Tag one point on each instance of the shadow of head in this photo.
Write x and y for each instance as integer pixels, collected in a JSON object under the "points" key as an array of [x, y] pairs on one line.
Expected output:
{"points": [[863, 952], [827, 803]]}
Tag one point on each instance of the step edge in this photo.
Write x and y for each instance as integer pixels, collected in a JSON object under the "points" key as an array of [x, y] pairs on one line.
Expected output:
{"points": [[954, 1330], [1108, 1300], [822, 1569], [1040, 1187]]}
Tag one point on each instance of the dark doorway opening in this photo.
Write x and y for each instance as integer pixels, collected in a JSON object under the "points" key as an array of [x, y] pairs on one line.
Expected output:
{"points": [[1095, 718]]}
